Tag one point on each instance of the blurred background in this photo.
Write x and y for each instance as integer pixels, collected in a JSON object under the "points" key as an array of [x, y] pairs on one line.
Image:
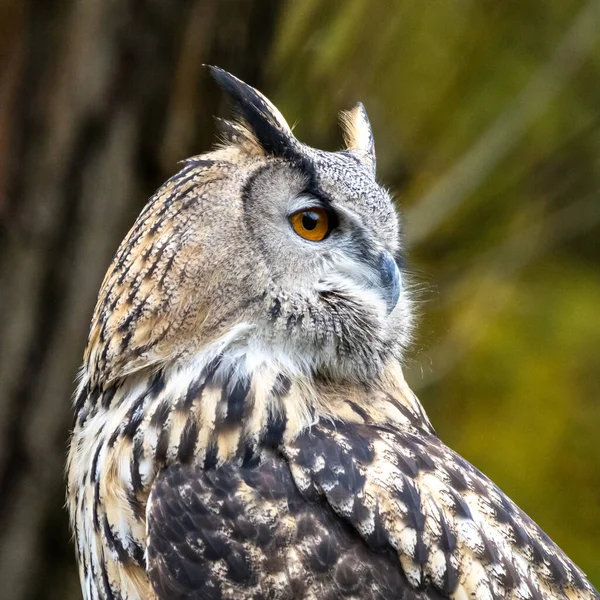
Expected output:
{"points": [[486, 116]]}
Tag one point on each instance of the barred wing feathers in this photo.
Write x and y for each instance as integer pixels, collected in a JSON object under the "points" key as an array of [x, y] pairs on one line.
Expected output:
{"points": [[451, 527], [349, 511], [239, 532]]}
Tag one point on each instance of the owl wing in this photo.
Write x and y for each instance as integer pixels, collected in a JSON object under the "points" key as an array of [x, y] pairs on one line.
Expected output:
{"points": [[247, 532], [349, 510], [452, 529]]}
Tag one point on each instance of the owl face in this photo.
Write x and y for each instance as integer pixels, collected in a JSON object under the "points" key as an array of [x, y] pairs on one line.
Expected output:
{"points": [[328, 237], [325, 244], [267, 250]]}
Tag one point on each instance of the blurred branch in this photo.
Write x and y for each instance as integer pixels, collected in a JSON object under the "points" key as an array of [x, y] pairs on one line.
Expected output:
{"points": [[501, 264], [494, 145]]}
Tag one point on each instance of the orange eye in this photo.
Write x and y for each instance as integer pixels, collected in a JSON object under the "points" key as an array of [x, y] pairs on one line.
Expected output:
{"points": [[311, 224]]}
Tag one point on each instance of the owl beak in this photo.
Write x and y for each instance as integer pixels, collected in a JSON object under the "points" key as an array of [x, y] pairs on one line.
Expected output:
{"points": [[391, 280]]}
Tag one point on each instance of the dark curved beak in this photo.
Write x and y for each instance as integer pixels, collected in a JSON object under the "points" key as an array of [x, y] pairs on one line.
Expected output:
{"points": [[391, 280]]}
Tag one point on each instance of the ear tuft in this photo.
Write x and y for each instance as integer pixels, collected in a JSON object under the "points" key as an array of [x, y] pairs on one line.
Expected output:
{"points": [[358, 135], [258, 114]]}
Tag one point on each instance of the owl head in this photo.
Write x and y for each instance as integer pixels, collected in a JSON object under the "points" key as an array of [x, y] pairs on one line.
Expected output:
{"points": [[263, 250]]}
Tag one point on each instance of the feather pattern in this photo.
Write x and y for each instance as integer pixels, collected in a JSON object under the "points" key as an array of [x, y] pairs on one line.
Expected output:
{"points": [[193, 455]]}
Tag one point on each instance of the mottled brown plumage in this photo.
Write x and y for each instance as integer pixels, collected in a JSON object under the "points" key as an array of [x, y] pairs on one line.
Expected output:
{"points": [[242, 426]]}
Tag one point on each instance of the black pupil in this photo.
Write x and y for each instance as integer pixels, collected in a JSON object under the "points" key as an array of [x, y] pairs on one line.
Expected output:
{"points": [[309, 220]]}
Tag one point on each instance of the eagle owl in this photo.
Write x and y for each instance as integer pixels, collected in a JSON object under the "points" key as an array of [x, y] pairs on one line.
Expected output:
{"points": [[242, 425]]}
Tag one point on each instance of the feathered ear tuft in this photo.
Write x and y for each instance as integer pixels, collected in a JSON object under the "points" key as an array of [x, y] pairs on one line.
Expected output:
{"points": [[258, 114], [358, 135]]}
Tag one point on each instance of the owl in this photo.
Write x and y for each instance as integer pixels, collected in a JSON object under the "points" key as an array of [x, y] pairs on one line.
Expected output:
{"points": [[243, 429]]}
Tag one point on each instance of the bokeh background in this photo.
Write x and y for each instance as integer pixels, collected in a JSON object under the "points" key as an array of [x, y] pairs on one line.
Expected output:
{"points": [[487, 122]]}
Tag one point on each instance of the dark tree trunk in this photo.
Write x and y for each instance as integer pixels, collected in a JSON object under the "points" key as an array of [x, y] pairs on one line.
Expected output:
{"points": [[98, 101]]}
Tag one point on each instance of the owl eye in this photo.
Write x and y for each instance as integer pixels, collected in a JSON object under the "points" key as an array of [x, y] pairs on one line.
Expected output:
{"points": [[311, 224]]}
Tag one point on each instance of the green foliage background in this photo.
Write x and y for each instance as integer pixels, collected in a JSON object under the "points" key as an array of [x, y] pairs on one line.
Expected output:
{"points": [[486, 113]]}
